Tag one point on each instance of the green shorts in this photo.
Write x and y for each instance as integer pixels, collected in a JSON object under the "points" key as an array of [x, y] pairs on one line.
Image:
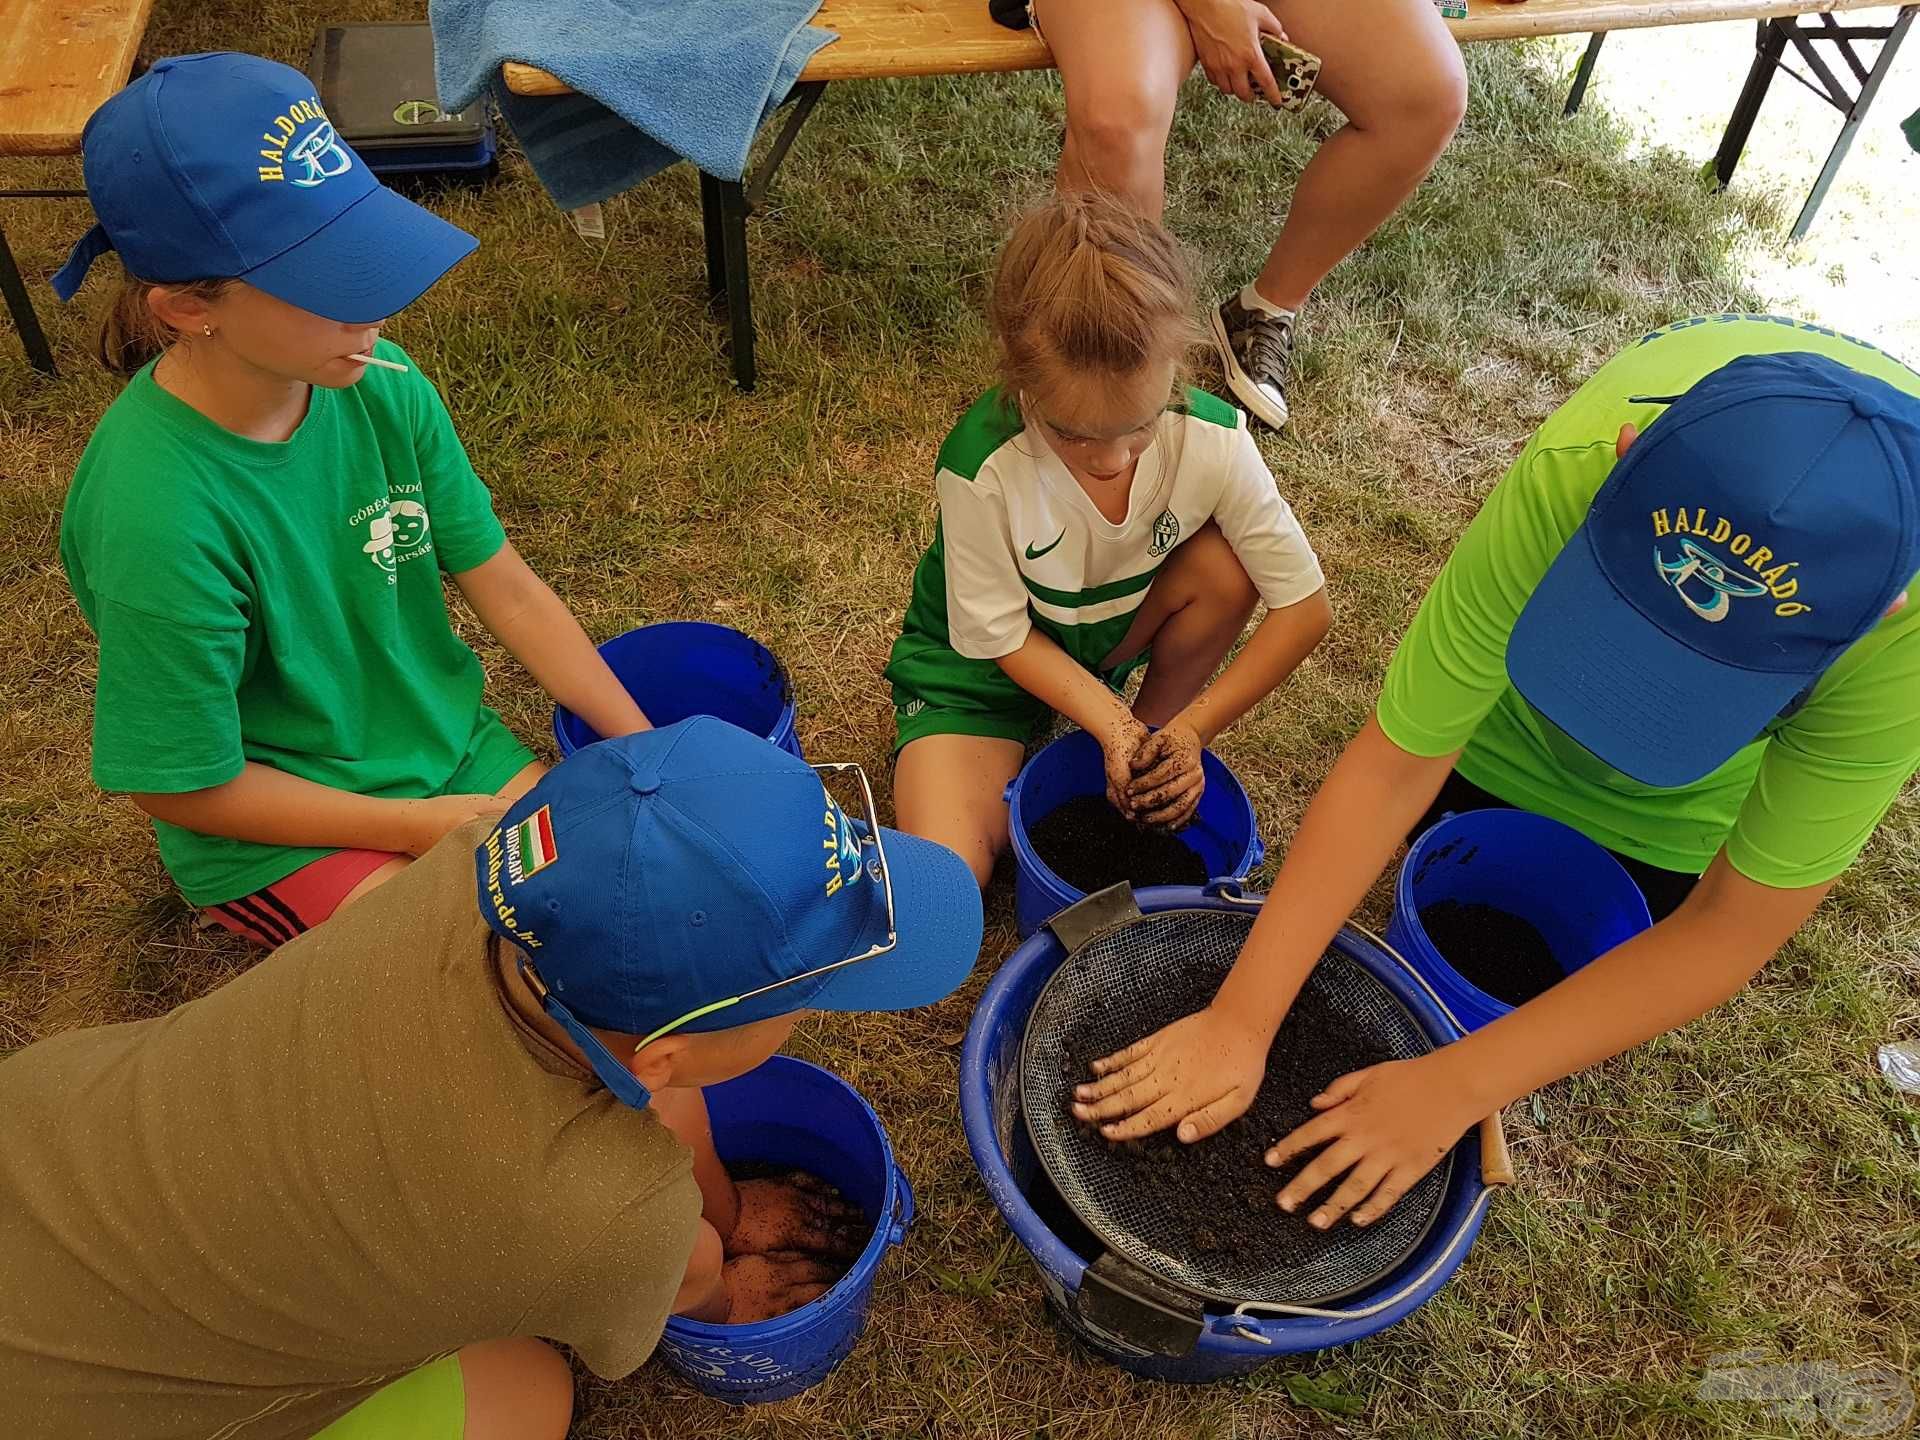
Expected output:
{"points": [[939, 691], [425, 1404]]}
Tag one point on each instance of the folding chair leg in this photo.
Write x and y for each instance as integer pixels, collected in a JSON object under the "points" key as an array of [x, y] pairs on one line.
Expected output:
{"points": [[1585, 73], [20, 304], [1772, 42], [1855, 115]]}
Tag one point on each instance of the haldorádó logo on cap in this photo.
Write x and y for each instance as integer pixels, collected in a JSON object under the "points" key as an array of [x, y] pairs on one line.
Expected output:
{"points": [[225, 166], [646, 878], [1763, 523]]}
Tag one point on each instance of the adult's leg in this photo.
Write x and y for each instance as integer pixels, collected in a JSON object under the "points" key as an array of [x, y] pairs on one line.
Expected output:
{"points": [[1195, 609], [949, 788], [1396, 74], [1121, 63], [518, 1389]]}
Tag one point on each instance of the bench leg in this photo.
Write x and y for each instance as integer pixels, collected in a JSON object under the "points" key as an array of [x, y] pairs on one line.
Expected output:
{"points": [[724, 214], [716, 249], [1771, 43], [1585, 73], [1856, 113], [20, 304]]}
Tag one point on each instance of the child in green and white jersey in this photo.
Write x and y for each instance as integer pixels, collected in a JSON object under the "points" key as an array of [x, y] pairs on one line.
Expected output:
{"points": [[1095, 517]]}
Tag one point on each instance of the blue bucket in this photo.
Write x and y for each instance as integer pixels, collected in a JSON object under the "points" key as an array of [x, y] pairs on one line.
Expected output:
{"points": [[1229, 1344], [688, 667], [1223, 832], [1571, 890], [795, 1115]]}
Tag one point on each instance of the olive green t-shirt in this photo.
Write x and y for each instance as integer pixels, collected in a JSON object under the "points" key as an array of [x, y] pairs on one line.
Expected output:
{"points": [[240, 1219], [1794, 807], [280, 603]]}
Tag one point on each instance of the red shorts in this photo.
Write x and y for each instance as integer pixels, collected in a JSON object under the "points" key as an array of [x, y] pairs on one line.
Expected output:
{"points": [[301, 901]]}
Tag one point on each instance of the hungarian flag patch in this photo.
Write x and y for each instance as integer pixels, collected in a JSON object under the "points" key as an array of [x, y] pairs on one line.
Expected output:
{"points": [[530, 848]]}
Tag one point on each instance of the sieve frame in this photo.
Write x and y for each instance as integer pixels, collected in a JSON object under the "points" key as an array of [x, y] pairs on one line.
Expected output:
{"points": [[1148, 1299]]}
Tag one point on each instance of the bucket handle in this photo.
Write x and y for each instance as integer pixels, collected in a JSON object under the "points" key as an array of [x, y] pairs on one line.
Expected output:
{"points": [[903, 1211]]}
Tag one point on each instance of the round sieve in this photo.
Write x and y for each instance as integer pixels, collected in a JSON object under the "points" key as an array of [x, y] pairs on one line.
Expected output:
{"points": [[1163, 1206]]}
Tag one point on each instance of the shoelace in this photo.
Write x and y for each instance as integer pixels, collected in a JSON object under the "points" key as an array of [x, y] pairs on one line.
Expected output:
{"points": [[1269, 346]]}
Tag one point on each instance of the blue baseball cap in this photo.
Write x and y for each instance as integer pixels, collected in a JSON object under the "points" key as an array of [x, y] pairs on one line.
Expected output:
{"points": [[224, 166], [1764, 522], [652, 875]]}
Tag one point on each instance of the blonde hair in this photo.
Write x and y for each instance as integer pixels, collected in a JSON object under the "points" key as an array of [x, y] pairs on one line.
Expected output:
{"points": [[1084, 283], [130, 333]]}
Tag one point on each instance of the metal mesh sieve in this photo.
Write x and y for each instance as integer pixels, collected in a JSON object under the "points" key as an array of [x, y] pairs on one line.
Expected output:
{"points": [[1128, 981]]}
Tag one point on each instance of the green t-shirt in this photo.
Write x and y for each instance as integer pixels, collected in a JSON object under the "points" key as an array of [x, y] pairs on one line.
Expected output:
{"points": [[279, 603], [1794, 807]]}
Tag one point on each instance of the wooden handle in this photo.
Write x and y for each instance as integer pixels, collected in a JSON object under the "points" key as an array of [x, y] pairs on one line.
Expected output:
{"points": [[1496, 1164]]}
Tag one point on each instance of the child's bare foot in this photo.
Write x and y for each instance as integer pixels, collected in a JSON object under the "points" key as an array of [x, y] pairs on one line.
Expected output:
{"points": [[759, 1287]]}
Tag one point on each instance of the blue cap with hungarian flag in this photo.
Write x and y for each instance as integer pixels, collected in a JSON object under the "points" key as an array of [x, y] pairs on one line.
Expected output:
{"points": [[648, 877], [1765, 522]]}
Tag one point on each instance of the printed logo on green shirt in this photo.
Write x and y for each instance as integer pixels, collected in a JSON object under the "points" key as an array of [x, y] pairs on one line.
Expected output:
{"points": [[396, 535], [1033, 554]]}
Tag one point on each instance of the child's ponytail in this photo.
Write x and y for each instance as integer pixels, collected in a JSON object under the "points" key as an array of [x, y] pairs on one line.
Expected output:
{"points": [[1084, 283], [130, 333]]}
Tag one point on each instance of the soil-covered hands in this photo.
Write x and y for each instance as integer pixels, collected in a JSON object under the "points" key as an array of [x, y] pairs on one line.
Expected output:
{"points": [[1226, 37], [429, 820], [1200, 1072], [1119, 743], [759, 1287], [1383, 1128], [796, 1212], [1167, 778]]}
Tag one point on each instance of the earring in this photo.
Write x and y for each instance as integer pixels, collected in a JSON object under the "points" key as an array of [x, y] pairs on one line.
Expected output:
{"points": [[207, 330]]}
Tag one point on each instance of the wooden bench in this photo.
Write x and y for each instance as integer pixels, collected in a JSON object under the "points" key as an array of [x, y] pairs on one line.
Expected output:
{"points": [[894, 39], [60, 61]]}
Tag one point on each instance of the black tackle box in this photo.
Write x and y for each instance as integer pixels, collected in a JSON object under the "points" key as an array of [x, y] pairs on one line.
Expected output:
{"points": [[376, 84]]}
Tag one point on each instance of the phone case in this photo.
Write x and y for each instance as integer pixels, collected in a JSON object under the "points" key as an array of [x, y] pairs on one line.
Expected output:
{"points": [[1297, 70]]}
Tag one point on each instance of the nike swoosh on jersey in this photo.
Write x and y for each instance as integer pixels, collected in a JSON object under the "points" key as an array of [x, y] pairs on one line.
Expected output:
{"points": [[1033, 554]]}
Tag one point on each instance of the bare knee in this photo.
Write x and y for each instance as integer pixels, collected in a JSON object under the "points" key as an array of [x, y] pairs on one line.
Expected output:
{"points": [[1118, 130], [700, 1284], [1426, 102], [517, 1389], [1212, 575]]}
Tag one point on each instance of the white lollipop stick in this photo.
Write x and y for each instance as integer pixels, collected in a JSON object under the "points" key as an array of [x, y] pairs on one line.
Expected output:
{"points": [[376, 360]]}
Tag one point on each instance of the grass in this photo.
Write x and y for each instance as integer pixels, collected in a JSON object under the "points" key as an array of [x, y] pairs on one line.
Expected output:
{"points": [[1746, 1183]]}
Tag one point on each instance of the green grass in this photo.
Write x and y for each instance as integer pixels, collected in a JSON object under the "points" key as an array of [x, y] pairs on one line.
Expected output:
{"points": [[1748, 1182]]}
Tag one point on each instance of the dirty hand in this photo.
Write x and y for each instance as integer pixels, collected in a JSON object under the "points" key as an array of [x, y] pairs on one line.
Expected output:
{"points": [[429, 820], [1167, 778], [1383, 1128], [1226, 37], [1201, 1072], [760, 1287], [796, 1212], [1119, 743]]}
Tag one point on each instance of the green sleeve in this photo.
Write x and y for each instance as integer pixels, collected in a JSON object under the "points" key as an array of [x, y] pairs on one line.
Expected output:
{"points": [[1451, 667], [166, 713], [1829, 774], [466, 532]]}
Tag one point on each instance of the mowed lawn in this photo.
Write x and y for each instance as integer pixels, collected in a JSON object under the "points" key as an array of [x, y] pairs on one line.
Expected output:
{"points": [[1750, 1183]]}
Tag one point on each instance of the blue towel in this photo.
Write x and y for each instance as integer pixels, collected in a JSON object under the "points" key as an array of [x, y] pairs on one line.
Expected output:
{"points": [[658, 81]]}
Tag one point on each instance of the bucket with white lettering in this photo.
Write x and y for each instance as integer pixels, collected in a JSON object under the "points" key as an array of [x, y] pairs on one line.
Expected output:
{"points": [[797, 1116], [690, 667]]}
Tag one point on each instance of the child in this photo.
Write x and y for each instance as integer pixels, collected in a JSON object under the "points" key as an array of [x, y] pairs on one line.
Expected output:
{"points": [[369, 1171], [1093, 516], [257, 528]]}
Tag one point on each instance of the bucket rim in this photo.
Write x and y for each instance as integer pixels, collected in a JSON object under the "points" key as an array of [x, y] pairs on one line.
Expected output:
{"points": [[783, 725]]}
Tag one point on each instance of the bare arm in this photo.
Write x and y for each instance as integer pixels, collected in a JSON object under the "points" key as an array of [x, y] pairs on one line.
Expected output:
{"points": [[271, 807], [1386, 1126], [1203, 1071], [525, 615], [1273, 652], [1048, 673]]}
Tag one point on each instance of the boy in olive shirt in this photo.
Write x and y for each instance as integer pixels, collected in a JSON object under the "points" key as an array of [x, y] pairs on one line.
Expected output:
{"points": [[342, 1194]]}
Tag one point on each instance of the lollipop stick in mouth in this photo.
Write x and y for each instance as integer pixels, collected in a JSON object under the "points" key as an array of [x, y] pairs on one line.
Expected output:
{"points": [[376, 360]]}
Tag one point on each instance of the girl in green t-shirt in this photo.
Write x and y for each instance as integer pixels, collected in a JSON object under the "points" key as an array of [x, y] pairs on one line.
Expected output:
{"points": [[259, 525]]}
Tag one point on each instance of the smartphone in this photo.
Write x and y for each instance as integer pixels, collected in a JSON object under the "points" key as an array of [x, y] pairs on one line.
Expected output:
{"points": [[1297, 70]]}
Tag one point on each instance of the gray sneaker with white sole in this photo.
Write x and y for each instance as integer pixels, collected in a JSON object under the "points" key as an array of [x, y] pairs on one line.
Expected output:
{"points": [[1256, 351]]}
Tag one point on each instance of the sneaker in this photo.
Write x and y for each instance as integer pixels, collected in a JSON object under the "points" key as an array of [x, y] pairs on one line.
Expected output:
{"points": [[1257, 352]]}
